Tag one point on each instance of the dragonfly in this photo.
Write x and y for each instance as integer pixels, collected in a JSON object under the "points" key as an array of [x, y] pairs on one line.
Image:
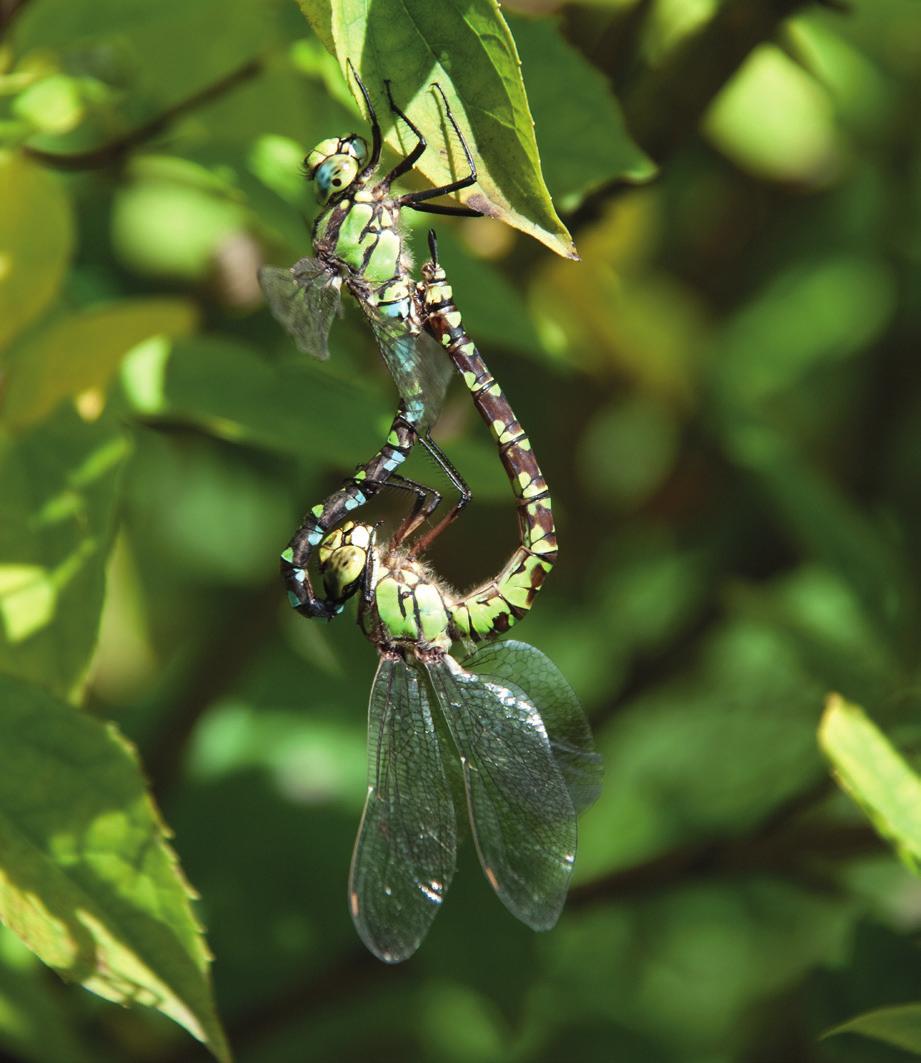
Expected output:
{"points": [[503, 718], [358, 244]]}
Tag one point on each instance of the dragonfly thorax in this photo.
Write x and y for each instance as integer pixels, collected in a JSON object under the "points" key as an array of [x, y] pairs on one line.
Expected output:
{"points": [[335, 163], [402, 606]]}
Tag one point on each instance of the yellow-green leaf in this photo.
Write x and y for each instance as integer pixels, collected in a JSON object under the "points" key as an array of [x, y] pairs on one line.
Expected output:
{"points": [[59, 484], [876, 776], [469, 51], [36, 239], [81, 352], [87, 879]]}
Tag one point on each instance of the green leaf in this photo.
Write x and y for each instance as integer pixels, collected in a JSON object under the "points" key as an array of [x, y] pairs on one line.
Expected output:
{"points": [[81, 352], [899, 1026], [876, 776], [820, 518], [173, 218], [775, 120], [58, 483], [581, 133], [52, 105], [87, 878], [469, 51], [294, 409], [153, 53], [817, 313], [36, 239], [37, 1023], [708, 754]]}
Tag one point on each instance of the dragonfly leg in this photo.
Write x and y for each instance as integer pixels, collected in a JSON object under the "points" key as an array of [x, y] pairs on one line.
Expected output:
{"points": [[460, 485], [376, 138], [454, 212], [427, 501], [412, 199], [367, 580], [413, 157]]}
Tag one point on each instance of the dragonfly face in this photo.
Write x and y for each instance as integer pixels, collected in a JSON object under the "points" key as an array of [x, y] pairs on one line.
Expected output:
{"points": [[335, 163], [404, 607], [344, 555]]}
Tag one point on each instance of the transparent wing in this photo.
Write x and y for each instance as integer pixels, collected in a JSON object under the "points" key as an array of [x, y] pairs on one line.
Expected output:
{"points": [[523, 820], [405, 850], [421, 369], [304, 299], [523, 668]]}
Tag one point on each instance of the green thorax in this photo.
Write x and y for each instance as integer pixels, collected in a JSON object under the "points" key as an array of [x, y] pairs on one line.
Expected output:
{"points": [[360, 236], [407, 608]]}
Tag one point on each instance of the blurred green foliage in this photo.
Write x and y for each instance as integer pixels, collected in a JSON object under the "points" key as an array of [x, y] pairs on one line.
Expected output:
{"points": [[725, 397]]}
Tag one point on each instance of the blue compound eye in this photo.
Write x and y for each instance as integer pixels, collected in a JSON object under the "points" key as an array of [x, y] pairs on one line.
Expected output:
{"points": [[335, 175], [358, 147]]}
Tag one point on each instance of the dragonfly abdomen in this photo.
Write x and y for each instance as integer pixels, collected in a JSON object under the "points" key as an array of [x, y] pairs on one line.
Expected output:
{"points": [[496, 605]]}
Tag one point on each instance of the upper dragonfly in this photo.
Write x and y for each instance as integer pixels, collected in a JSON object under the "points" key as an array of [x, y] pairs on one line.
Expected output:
{"points": [[357, 242]]}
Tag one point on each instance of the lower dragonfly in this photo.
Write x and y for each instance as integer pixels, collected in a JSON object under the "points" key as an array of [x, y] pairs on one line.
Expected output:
{"points": [[358, 244], [513, 723]]}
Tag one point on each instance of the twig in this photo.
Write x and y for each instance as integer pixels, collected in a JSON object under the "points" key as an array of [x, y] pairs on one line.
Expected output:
{"points": [[793, 852], [9, 9], [111, 153]]}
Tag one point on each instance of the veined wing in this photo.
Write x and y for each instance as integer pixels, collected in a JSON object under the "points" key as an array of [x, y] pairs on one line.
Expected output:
{"points": [[405, 850], [523, 820], [304, 299], [420, 367], [524, 668]]}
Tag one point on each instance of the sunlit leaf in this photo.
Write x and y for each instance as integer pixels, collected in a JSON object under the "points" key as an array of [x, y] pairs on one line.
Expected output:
{"points": [[36, 1024], [173, 223], [469, 51], [155, 50], [35, 241], [58, 483], [878, 778], [776, 120], [81, 352], [87, 879]]}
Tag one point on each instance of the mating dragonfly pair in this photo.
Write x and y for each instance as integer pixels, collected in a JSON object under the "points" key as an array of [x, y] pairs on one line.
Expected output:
{"points": [[501, 731]]}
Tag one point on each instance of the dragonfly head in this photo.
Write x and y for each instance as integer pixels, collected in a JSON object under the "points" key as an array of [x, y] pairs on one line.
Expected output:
{"points": [[343, 557], [335, 163]]}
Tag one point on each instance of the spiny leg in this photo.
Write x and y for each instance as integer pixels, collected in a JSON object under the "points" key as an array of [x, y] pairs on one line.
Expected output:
{"points": [[376, 138], [415, 519], [413, 157], [413, 199], [463, 500], [427, 501]]}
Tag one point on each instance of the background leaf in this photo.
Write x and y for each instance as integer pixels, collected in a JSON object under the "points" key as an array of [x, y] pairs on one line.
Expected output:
{"points": [[875, 775], [898, 1026], [88, 880], [35, 241], [59, 484]]}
